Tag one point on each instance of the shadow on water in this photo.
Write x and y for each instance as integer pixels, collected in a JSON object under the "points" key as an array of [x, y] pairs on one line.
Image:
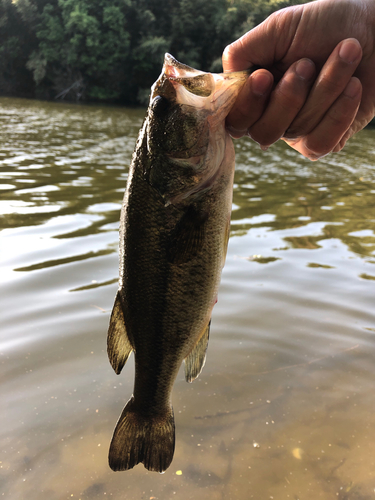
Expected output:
{"points": [[284, 406]]}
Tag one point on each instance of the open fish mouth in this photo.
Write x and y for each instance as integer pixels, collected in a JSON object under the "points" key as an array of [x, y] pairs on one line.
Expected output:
{"points": [[196, 82], [188, 83], [187, 110]]}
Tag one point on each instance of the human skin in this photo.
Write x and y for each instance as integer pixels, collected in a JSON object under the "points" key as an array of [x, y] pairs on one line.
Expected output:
{"points": [[316, 87]]}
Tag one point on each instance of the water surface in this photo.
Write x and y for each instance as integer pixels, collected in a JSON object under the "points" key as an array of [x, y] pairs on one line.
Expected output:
{"points": [[284, 407]]}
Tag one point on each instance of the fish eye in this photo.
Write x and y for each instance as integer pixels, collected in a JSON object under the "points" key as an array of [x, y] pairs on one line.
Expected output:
{"points": [[159, 105]]}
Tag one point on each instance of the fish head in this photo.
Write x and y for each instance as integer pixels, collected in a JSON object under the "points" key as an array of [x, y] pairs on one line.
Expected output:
{"points": [[185, 128]]}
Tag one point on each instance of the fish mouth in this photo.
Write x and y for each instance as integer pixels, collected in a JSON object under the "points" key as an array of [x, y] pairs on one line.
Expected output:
{"points": [[186, 85], [188, 107], [174, 69], [182, 83], [194, 81]]}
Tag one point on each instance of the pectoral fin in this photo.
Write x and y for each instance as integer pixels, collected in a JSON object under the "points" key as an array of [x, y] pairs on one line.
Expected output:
{"points": [[194, 362], [187, 238], [118, 344]]}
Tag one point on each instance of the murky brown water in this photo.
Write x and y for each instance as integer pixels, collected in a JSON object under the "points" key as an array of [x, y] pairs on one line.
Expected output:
{"points": [[284, 408]]}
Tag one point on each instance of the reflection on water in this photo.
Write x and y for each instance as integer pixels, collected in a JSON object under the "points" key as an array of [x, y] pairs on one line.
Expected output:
{"points": [[284, 406]]}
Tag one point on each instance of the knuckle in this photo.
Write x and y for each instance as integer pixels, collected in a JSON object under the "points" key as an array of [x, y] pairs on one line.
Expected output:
{"points": [[337, 117], [235, 56], [303, 123], [291, 94], [341, 115], [331, 86], [290, 103], [227, 53]]}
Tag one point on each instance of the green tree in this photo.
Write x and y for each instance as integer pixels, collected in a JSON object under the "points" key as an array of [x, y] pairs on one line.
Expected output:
{"points": [[150, 39], [16, 41], [84, 47], [113, 49], [195, 39]]}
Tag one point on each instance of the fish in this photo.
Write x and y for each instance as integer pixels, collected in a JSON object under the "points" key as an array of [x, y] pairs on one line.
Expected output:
{"points": [[174, 230]]}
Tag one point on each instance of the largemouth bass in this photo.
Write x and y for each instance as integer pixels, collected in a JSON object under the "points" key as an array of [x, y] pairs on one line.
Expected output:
{"points": [[173, 240]]}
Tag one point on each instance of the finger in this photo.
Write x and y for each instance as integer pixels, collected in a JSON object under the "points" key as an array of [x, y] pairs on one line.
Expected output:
{"points": [[348, 134], [285, 102], [330, 84], [250, 103], [265, 44], [334, 130]]}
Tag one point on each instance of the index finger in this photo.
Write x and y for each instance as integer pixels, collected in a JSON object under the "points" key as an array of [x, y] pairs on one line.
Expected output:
{"points": [[265, 44]]}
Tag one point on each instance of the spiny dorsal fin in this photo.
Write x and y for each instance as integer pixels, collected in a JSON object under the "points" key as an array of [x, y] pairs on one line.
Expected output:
{"points": [[118, 345], [194, 362]]}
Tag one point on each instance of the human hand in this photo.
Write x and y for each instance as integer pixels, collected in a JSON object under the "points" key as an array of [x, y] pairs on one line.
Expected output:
{"points": [[319, 86]]}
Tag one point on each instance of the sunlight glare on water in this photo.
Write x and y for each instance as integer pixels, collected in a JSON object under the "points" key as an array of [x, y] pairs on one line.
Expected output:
{"points": [[284, 406]]}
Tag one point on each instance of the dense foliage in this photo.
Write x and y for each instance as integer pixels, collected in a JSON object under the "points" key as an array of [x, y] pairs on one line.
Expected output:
{"points": [[112, 50]]}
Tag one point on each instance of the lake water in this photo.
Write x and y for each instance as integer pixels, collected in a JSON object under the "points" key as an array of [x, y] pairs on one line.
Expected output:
{"points": [[285, 406]]}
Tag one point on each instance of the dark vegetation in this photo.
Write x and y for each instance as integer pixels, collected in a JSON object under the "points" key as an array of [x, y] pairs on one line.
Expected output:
{"points": [[112, 50]]}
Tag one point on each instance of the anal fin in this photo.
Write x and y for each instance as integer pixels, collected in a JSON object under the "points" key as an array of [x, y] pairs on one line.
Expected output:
{"points": [[194, 362], [118, 344]]}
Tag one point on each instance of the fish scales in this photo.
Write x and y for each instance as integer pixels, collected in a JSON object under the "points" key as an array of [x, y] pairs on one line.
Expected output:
{"points": [[173, 236]]}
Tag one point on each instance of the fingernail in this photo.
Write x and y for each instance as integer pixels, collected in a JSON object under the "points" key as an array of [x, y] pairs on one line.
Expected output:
{"points": [[315, 156], [261, 83], [353, 88], [350, 51], [305, 69], [290, 134], [235, 133], [310, 154]]}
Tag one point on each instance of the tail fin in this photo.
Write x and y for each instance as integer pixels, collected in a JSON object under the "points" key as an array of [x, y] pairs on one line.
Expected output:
{"points": [[139, 438]]}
